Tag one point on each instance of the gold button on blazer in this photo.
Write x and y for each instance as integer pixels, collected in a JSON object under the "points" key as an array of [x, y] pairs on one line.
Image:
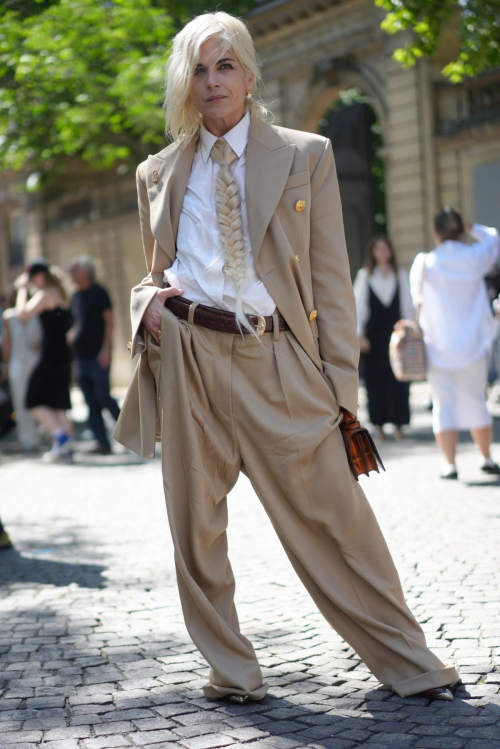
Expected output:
{"points": [[285, 169]]}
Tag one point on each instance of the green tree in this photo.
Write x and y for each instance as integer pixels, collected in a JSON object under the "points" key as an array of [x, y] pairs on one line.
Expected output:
{"points": [[84, 78], [479, 32]]}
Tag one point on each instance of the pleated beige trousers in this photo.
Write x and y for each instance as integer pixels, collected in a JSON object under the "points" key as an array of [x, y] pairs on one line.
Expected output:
{"points": [[227, 402]]}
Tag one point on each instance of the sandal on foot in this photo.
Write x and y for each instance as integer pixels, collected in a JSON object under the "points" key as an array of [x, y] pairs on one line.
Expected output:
{"points": [[238, 699], [445, 694]]}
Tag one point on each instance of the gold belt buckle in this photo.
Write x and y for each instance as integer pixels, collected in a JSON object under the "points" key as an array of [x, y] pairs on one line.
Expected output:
{"points": [[261, 325]]}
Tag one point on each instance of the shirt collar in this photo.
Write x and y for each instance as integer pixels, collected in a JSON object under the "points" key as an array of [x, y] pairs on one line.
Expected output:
{"points": [[237, 138]]}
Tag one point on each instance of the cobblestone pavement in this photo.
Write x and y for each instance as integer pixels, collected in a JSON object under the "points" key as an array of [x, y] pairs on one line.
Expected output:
{"points": [[93, 649]]}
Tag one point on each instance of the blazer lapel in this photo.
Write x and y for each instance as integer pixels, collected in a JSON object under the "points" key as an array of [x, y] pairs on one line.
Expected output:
{"points": [[268, 163], [168, 175]]}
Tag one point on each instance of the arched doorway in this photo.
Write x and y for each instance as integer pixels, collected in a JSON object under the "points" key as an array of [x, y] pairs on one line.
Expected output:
{"points": [[352, 125]]}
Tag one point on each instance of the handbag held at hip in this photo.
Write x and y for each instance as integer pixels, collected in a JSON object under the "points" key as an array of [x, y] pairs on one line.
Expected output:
{"points": [[362, 454], [407, 352], [407, 347]]}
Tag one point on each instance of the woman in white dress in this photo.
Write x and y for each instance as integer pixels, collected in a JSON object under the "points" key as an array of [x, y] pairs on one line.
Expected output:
{"points": [[459, 329], [21, 346], [382, 298]]}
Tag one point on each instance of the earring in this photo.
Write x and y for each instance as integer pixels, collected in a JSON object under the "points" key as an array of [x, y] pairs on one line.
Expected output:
{"points": [[248, 94]]}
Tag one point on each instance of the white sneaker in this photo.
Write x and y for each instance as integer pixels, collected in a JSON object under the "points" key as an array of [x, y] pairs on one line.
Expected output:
{"points": [[449, 471], [62, 450], [489, 466]]}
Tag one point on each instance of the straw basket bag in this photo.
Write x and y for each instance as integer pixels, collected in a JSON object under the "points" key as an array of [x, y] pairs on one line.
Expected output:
{"points": [[407, 348]]}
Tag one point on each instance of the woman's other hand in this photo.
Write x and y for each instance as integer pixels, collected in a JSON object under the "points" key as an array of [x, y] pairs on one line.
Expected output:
{"points": [[21, 281], [364, 345], [152, 315]]}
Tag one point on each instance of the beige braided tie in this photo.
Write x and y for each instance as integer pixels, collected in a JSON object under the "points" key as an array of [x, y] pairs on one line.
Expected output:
{"points": [[228, 206]]}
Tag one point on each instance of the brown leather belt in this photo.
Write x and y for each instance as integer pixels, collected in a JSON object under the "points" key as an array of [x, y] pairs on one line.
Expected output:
{"points": [[219, 319]]}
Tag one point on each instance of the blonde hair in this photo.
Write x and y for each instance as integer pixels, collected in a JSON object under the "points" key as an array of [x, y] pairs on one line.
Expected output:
{"points": [[182, 119], [56, 278]]}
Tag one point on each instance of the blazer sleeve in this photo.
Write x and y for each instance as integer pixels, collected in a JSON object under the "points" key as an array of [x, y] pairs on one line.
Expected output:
{"points": [[332, 287], [143, 293]]}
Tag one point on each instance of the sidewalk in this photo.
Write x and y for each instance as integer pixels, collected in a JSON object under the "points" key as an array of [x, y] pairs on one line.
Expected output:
{"points": [[93, 648]]}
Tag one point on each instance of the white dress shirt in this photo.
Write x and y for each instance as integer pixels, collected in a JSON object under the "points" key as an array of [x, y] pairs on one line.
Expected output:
{"points": [[384, 286], [198, 266], [456, 315]]}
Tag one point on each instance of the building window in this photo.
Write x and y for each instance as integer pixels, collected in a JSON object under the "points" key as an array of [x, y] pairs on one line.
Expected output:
{"points": [[485, 185], [17, 238]]}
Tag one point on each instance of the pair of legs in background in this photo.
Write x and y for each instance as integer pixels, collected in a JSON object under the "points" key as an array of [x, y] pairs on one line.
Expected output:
{"points": [[19, 376], [94, 382], [459, 403], [227, 402]]}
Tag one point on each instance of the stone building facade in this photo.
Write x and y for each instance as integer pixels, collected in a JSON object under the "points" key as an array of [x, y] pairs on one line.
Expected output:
{"points": [[440, 145]]}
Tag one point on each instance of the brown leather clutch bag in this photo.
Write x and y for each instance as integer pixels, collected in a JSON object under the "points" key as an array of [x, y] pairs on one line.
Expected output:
{"points": [[361, 452]]}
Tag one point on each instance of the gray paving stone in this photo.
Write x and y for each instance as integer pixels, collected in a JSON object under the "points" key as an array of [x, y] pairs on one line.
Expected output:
{"points": [[89, 719], [199, 729], [275, 742], [150, 724], [394, 740], [480, 732], [94, 699], [206, 742], [355, 735], [246, 733], [67, 732], [423, 730], [144, 738], [390, 727], [105, 742], [334, 743], [10, 725], [132, 714], [445, 742], [43, 724], [18, 737]]}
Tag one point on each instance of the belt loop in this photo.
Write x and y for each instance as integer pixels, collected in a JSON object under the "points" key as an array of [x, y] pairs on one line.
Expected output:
{"points": [[192, 309], [276, 327]]}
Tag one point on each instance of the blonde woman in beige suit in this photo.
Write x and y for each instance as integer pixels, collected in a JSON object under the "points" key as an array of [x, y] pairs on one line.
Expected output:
{"points": [[246, 330]]}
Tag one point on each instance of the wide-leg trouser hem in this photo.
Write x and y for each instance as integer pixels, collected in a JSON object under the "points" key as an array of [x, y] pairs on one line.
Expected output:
{"points": [[215, 692], [442, 677]]}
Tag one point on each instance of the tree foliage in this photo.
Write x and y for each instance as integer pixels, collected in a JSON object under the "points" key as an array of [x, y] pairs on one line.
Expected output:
{"points": [[479, 32], [84, 78]]}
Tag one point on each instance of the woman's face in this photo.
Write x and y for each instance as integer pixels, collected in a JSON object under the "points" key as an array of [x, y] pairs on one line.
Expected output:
{"points": [[38, 281], [218, 86], [382, 252]]}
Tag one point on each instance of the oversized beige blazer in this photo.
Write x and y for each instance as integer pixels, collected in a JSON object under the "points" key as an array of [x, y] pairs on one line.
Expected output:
{"points": [[300, 255]]}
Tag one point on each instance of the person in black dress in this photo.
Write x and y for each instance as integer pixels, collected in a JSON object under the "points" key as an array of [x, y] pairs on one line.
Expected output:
{"points": [[48, 390], [382, 298]]}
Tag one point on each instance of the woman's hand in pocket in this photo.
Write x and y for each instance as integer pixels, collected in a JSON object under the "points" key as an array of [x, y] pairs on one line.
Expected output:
{"points": [[154, 310]]}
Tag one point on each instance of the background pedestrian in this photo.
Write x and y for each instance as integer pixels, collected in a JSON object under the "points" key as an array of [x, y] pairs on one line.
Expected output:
{"points": [[91, 337], [48, 390], [459, 329], [383, 297], [21, 346]]}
